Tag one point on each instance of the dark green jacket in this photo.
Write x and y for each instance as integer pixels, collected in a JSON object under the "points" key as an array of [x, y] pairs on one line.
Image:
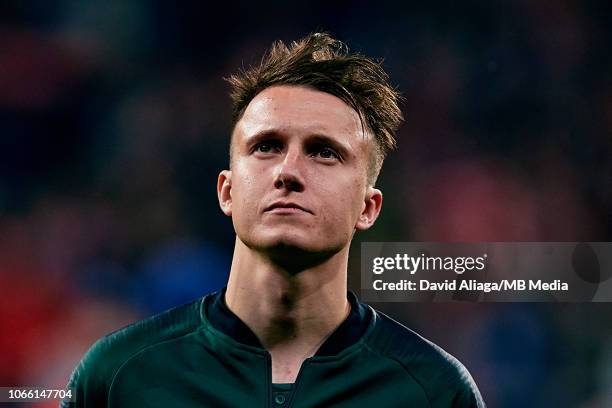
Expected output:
{"points": [[179, 359]]}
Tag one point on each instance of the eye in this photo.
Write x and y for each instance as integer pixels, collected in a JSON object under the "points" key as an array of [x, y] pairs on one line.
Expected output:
{"points": [[327, 153], [265, 147]]}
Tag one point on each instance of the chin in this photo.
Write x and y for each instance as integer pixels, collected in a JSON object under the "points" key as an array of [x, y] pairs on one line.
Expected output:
{"points": [[289, 243], [294, 252], [294, 258]]}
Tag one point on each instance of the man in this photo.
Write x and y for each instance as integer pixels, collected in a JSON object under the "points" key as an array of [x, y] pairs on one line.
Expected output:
{"points": [[312, 126]]}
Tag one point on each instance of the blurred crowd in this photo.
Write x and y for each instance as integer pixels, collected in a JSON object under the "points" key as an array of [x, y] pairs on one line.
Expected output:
{"points": [[115, 121]]}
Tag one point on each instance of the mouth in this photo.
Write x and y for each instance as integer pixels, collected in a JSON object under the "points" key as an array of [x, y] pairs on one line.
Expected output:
{"points": [[282, 207]]}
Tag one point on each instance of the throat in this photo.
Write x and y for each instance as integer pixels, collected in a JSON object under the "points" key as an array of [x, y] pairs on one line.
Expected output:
{"points": [[286, 367], [289, 354]]}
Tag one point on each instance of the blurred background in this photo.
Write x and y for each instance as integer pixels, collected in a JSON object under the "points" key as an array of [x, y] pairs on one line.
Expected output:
{"points": [[114, 123]]}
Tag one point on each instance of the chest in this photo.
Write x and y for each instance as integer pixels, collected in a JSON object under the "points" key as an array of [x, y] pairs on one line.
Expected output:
{"points": [[247, 380]]}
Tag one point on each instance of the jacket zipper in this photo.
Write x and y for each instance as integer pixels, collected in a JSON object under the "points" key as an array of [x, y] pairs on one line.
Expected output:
{"points": [[296, 384], [294, 389], [268, 401]]}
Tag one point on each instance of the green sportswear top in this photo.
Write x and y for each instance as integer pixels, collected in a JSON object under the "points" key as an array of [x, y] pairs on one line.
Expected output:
{"points": [[201, 355]]}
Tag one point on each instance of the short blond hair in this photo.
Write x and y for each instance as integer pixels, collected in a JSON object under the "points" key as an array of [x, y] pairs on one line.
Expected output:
{"points": [[324, 63]]}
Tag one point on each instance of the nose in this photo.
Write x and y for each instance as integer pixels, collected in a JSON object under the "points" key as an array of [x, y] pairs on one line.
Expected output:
{"points": [[289, 174]]}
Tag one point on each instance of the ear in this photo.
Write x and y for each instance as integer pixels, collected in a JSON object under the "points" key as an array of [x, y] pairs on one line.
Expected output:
{"points": [[224, 192], [371, 208]]}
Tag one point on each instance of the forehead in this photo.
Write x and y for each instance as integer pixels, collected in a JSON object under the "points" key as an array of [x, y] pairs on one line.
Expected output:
{"points": [[301, 111]]}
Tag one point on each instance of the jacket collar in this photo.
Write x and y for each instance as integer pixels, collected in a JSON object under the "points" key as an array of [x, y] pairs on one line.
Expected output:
{"points": [[345, 335]]}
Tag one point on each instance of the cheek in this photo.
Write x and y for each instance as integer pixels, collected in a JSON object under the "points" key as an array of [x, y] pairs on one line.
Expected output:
{"points": [[344, 206], [245, 197], [246, 181]]}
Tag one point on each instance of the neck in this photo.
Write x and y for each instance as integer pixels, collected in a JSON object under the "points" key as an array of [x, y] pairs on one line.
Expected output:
{"points": [[291, 313]]}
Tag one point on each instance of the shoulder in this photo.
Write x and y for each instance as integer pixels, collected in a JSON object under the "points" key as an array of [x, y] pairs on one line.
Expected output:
{"points": [[93, 376], [442, 376]]}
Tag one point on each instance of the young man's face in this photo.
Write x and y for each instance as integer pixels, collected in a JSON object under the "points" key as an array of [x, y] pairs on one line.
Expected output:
{"points": [[298, 177]]}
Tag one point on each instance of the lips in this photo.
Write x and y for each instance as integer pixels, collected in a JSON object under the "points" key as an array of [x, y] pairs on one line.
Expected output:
{"points": [[285, 206]]}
